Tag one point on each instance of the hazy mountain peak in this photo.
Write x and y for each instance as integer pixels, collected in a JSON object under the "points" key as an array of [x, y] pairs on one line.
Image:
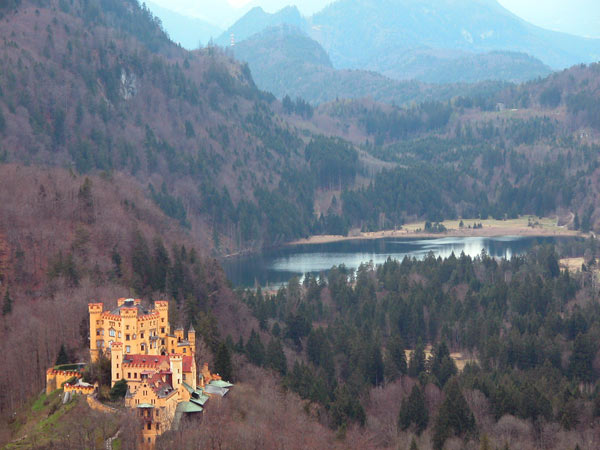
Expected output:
{"points": [[256, 20]]}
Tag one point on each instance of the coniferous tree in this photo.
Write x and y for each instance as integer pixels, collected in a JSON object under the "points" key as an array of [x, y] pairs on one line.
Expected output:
{"points": [[582, 358], [442, 365], [160, 267], [255, 349], [454, 417], [275, 357], [119, 390], [117, 261], [416, 364], [62, 357], [413, 444], [223, 364], [7, 303], [396, 363], [414, 411]]}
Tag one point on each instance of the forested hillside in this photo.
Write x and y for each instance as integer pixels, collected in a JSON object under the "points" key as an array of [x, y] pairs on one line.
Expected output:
{"points": [[521, 331], [531, 148], [97, 86]]}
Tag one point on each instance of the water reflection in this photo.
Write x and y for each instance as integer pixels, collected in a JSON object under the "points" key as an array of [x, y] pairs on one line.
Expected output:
{"points": [[275, 267]]}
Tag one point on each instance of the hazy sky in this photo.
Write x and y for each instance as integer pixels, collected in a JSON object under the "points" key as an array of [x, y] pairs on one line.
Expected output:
{"points": [[580, 17]]}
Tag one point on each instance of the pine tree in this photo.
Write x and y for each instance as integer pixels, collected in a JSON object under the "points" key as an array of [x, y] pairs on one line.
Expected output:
{"points": [[413, 444], [223, 362], [62, 357], [275, 357], [443, 366], [117, 261], [454, 417], [417, 361], [397, 354], [414, 411], [255, 349], [7, 303]]}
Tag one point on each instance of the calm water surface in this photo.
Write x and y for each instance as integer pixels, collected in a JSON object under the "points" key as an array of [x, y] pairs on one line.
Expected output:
{"points": [[275, 267]]}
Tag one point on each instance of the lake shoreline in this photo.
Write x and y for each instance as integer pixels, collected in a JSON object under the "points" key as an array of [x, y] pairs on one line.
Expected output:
{"points": [[490, 228]]}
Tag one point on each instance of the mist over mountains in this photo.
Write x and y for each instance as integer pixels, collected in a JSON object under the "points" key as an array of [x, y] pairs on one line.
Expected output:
{"points": [[435, 41]]}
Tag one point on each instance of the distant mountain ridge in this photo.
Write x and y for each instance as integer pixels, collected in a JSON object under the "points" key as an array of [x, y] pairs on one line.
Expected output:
{"points": [[285, 61], [377, 34], [257, 20], [187, 31], [360, 32]]}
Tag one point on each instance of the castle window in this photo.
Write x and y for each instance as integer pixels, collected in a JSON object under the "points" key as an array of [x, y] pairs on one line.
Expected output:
{"points": [[111, 332], [119, 334], [127, 327], [149, 427], [162, 319], [162, 330], [141, 335], [128, 349], [135, 375], [97, 332], [184, 350], [126, 337], [128, 374], [162, 341], [117, 376]]}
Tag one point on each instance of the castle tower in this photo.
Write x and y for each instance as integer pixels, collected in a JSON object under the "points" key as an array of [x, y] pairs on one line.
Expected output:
{"points": [[179, 334], [116, 362], [95, 310], [176, 363], [129, 322], [162, 308], [192, 339]]}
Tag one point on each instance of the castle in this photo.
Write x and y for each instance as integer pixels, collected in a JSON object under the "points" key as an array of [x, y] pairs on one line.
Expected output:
{"points": [[163, 380], [141, 331]]}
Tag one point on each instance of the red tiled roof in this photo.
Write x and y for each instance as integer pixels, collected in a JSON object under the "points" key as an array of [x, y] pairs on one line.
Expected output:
{"points": [[156, 360]]}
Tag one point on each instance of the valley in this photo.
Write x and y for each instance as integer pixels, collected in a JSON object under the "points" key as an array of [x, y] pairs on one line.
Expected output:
{"points": [[131, 167]]}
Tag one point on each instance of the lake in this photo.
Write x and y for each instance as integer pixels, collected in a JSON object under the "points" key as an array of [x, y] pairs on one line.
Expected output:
{"points": [[275, 267]]}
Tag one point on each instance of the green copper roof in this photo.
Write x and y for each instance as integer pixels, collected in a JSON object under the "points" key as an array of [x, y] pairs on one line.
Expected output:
{"points": [[200, 400], [220, 383], [188, 387], [188, 407], [145, 405]]}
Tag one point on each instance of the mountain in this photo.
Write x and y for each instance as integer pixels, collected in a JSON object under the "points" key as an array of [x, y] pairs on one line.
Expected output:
{"points": [[285, 61], [191, 126], [257, 20], [361, 33], [448, 66], [433, 41], [187, 31]]}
